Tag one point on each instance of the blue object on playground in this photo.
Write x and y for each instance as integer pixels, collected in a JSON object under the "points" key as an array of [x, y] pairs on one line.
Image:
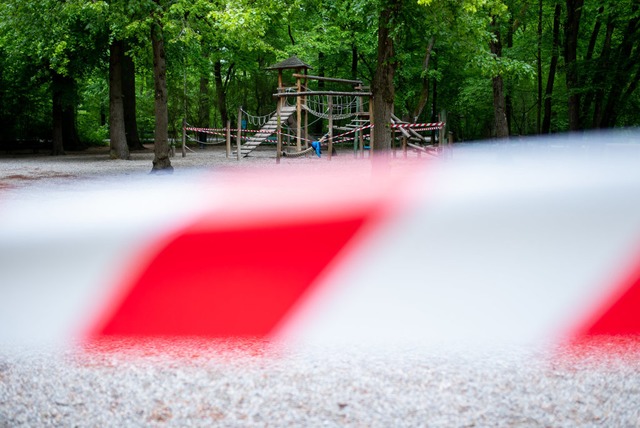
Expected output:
{"points": [[316, 146]]}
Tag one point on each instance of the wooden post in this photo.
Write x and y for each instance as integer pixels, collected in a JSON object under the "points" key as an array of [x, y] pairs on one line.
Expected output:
{"points": [[228, 132], [372, 121], [441, 133], [278, 131], [355, 143], [184, 137], [393, 142], [239, 133], [362, 132], [330, 125], [404, 145], [355, 134], [299, 116], [306, 115]]}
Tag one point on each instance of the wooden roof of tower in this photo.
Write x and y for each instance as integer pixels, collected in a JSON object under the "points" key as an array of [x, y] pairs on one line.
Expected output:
{"points": [[290, 63]]}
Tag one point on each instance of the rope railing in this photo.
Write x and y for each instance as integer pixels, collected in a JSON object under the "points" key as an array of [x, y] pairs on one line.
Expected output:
{"points": [[195, 140], [416, 126], [244, 135], [257, 120], [344, 107], [222, 132]]}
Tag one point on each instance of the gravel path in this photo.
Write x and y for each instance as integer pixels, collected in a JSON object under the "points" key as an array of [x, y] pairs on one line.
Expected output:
{"points": [[194, 383], [24, 169]]}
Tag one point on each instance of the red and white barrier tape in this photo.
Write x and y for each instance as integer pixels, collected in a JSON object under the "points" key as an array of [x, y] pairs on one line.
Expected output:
{"points": [[429, 126], [501, 245], [218, 131]]}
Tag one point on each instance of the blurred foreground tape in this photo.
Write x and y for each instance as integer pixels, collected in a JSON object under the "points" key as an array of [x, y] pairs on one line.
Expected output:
{"points": [[529, 244]]}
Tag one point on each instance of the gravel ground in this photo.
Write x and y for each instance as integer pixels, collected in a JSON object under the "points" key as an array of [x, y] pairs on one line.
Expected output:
{"points": [[204, 384], [19, 170], [196, 383]]}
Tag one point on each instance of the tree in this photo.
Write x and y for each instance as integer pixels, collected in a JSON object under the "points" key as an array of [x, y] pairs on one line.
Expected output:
{"points": [[57, 47], [60, 46], [486, 62], [161, 161], [129, 98], [572, 34], [546, 122], [499, 106], [383, 87], [118, 138]]}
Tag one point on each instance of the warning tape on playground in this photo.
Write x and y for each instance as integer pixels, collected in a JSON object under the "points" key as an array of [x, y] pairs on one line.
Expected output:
{"points": [[416, 126], [353, 130], [434, 128], [342, 140], [434, 125], [216, 130], [222, 132], [468, 252]]}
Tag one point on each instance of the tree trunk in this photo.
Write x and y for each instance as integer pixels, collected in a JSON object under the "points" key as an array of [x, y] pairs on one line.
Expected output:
{"points": [[572, 26], [64, 115], [57, 114], [129, 100], [622, 74], [546, 123], [601, 76], [508, 101], [434, 101], [354, 61], [118, 145], [539, 70], [589, 95], [204, 107], [631, 88], [221, 93], [383, 89], [499, 105], [499, 108], [161, 161], [424, 93], [70, 138], [69, 129], [318, 126]]}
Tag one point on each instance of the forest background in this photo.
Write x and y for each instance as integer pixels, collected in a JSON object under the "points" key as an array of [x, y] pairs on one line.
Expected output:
{"points": [[78, 72]]}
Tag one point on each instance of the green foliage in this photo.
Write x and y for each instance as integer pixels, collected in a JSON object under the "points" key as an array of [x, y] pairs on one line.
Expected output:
{"points": [[337, 38]]}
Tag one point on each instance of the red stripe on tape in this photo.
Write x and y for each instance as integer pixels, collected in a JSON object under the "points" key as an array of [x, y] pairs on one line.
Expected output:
{"points": [[619, 313], [228, 282]]}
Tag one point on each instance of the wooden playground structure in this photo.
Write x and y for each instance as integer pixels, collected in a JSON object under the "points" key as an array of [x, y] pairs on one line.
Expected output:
{"points": [[295, 105]]}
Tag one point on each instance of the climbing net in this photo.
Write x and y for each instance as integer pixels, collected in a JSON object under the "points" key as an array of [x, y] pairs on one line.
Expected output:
{"points": [[258, 121], [340, 107]]}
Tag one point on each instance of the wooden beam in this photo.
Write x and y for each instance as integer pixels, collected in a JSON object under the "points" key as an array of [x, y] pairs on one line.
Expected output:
{"points": [[329, 79], [299, 115], [334, 93], [278, 130], [239, 133], [184, 137], [228, 132], [330, 126]]}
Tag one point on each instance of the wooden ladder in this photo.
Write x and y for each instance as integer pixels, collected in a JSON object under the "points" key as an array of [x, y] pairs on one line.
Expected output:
{"points": [[265, 132]]}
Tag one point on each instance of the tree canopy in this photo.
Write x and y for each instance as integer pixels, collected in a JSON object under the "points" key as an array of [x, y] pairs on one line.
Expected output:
{"points": [[497, 67]]}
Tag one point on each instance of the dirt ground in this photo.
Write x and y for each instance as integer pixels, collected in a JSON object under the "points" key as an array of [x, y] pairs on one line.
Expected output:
{"points": [[24, 169]]}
